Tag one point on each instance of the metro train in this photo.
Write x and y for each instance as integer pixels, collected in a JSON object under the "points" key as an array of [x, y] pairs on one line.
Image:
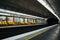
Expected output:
{"points": [[10, 20]]}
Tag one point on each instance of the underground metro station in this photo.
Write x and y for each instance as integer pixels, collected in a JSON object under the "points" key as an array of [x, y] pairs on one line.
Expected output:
{"points": [[29, 19]]}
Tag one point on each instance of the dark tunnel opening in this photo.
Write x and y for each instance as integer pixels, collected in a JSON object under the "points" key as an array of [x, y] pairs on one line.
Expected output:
{"points": [[51, 21]]}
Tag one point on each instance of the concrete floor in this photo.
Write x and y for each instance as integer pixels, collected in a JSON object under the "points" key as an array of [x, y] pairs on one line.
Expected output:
{"points": [[52, 34]]}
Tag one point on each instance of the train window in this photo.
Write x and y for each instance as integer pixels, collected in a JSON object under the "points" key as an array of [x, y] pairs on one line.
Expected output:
{"points": [[26, 19], [21, 19], [2, 18], [10, 19], [16, 19], [39, 21], [30, 20], [34, 20]]}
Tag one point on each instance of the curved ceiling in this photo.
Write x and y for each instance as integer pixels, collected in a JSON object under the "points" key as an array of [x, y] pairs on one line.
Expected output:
{"points": [[32, 7], [55, 4]]}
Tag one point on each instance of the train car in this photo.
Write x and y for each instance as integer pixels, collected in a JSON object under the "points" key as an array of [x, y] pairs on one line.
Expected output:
{"points": [[11, 18]]}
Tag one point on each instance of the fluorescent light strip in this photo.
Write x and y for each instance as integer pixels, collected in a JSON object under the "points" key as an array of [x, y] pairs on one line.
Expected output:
{"points": [[46, 5], [17, 13], [4, 14]]}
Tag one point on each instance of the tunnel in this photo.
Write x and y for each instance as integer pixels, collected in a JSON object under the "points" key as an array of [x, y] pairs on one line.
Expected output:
{"points": [[29, 20], [51, 21]]}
